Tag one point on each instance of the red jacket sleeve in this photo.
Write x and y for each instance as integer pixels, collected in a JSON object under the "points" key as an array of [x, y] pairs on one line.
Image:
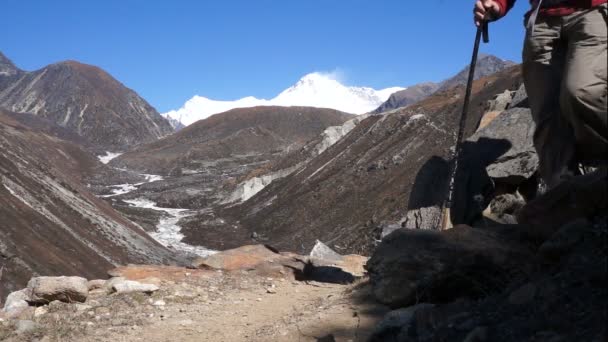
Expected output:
{"points": [[505, 6]]}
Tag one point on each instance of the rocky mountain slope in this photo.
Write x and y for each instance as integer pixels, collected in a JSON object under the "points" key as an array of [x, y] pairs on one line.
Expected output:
{"points": [[50, 223], [248, 135], [313, 90], [84, 99], [365, 182], [203, 163], [486, 66], [408, 96]]}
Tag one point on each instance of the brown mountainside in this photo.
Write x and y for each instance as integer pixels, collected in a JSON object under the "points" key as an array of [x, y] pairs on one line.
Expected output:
{"points": [[84, 99], [248, 134], [486, 66], [364, 181], [50, 224]]}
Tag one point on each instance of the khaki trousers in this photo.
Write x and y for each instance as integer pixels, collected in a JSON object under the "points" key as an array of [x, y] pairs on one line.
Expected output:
{"points": [[564, 68]]}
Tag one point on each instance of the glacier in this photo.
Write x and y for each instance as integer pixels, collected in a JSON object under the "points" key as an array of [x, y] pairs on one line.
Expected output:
{"points": [[313, 90]]}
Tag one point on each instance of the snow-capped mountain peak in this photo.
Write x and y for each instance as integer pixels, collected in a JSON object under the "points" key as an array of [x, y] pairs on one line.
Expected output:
{"points": [[313, 90]]}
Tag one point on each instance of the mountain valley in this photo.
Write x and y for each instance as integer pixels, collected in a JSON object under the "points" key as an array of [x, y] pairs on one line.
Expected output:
{"points": [[314, 216]]}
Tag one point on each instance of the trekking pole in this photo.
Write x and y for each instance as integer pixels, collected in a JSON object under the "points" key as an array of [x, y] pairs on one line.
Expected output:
{"points": [[445, 219]]}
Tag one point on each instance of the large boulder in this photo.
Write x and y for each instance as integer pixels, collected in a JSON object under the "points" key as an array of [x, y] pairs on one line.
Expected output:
{"points": [[245, 257], [44, 290], [436, 266], [520, 161], [582, 196]]}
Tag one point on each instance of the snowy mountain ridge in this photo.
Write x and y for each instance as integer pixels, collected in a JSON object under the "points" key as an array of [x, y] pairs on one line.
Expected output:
{"points": [[313, 90]]}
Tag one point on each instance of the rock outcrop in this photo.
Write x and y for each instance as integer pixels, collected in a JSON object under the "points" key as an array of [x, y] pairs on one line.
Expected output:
{"points": [[565, 270], [410, 266]]}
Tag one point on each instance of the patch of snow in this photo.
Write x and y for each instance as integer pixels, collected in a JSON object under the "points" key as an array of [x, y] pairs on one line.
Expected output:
{"points": [[14, 193], [416, 116], [251, 187], [332, 134], [121, 189], [152, 178], [168, 232], [313, 90], [109, 156]]}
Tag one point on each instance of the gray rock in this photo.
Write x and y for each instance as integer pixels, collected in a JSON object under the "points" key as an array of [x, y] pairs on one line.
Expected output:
{"points": [[413, 265], [130, 286], [25, 326], [41, 311], [501, 101], [322, 251], [16, 302], [506, 206], [396, 322], [520, 99], [421, 218], [520, 161], [44, 290]]}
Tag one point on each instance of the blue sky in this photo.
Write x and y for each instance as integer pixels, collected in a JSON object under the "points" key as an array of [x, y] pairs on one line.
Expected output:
{"points": [[169, 51]]}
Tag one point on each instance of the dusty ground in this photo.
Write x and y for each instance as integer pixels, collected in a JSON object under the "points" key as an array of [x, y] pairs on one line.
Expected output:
{"points": [[213, 306]]}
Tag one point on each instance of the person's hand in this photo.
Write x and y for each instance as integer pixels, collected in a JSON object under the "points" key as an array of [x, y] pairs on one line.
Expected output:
{"points": [[486, 10]]}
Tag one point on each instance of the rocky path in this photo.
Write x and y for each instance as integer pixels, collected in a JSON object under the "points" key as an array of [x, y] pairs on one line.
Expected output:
{"points": [[196, 305]]}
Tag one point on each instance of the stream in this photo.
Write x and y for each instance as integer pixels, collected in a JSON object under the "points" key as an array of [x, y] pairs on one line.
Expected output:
{"points": [[168, 232]]}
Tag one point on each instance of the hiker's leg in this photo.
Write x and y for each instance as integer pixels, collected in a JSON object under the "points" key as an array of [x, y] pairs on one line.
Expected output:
{"points": [[585, 86], [543, 63]]}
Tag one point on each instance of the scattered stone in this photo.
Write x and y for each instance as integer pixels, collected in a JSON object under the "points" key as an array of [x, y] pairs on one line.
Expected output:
{"points": [[16, 302], [130, 286], [44, 290], [322, 251], [186, 322], [82, 307], [40, 311], [25, 326], [506, 206], [159, 302], [396, 321], [96, 284]]}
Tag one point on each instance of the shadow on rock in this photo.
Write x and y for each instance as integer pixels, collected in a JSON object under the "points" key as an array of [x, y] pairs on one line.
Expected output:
{"points": [[474, 187]]}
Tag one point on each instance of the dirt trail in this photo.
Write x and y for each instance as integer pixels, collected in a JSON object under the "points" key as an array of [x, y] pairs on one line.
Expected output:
{"points": [[217, 307]]}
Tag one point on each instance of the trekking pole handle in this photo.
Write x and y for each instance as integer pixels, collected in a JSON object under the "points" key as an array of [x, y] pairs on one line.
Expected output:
{"points": [[485, 31]]}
